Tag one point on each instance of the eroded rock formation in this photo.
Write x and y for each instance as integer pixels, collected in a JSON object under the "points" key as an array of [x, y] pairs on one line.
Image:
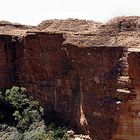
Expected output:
{"points": [[87, 72]]}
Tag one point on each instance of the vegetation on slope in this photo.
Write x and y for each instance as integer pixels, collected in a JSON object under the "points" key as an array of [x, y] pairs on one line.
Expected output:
{"points": [[22, 118]]}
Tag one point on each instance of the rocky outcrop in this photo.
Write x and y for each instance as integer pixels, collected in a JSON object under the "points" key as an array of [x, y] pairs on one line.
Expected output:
{"points": [[87, 72], [120, 31], [69, 25]]}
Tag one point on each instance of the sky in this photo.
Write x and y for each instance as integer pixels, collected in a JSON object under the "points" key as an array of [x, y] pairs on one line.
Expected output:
{"points": [[32, 12]]}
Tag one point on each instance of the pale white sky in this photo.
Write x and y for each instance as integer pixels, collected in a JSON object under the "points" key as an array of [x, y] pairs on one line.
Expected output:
{"points": [[34, 11]]}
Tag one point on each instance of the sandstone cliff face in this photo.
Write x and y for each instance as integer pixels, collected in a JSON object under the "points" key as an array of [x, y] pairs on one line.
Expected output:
{"points": [[90, 77], [6, 58], [98, 88]]}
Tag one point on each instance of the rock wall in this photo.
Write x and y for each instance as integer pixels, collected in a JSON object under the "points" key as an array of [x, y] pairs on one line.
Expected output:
{"points": [[94, 86], [6, 58], [46, 71], [100, 70], [80, 84], [129, 119]]}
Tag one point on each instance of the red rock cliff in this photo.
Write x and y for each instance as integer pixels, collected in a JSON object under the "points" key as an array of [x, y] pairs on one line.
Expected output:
{"points": [[88, 75]]}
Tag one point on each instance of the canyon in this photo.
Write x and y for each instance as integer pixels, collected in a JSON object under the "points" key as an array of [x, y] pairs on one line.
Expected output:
{"points": [[85, 71]]}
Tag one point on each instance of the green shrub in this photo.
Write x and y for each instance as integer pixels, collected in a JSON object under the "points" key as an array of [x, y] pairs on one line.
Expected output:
{"points": [[57, 133], [28, 116], [26, 109]]}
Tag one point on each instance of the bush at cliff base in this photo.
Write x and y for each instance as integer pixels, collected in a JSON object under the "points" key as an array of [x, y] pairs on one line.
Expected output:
{"points": [[26, 118]]}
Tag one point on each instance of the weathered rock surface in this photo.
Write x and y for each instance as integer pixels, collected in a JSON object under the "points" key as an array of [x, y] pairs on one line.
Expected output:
{"points": [[87, 72], [69, 25]]}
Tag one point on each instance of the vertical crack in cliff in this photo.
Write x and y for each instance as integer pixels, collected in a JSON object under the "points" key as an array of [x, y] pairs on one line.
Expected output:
{"points": [[83, 120], [79, 85]]}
